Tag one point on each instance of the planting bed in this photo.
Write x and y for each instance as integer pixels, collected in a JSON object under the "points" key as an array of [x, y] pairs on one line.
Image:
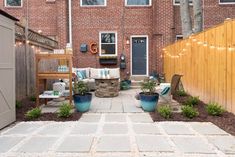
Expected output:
{"points": [[28, 105], [225, 121]]}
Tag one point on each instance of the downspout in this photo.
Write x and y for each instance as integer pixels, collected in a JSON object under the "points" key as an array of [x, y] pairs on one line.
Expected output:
{"points": [[70, 24]]}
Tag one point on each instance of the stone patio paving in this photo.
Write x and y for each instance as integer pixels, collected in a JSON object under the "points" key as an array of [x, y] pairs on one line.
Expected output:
{"points": [[115, 127]]}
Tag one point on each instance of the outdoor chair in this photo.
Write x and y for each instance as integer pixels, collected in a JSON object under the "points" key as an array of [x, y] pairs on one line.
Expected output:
{"points": [[166, 90]]}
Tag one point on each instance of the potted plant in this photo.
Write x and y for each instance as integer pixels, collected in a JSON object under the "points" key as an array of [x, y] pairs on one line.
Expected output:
{"points": [[148, 96], [82, 98]]}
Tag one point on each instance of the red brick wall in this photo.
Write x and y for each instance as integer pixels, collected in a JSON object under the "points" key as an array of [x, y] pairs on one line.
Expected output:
{"points": [[89, 21], [161, 22], [45, 16]]}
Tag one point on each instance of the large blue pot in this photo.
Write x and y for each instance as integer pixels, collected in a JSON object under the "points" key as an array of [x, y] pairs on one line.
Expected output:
{"points": [[149, 102], [82, 102]]}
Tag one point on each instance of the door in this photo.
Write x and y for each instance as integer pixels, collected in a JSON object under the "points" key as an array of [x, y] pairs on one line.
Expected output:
{"points": [[139, 47], [7, 72]]}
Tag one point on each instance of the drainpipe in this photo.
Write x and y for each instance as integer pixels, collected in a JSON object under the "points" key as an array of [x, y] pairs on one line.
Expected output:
{"points": [[70, 23]]}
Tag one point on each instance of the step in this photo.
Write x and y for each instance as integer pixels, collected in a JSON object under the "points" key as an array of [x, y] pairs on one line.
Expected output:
{"points": [[138, 78]]}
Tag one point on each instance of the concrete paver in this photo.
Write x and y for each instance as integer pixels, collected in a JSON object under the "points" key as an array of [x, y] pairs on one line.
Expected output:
{"points": [[37, 145], [176, 129], [90, 118], [146, 129], [6, 143], [141, 118], [115, 118], [76, 144], [224, 143], [210, 129], [23, 128], [192, 145], [115, 129], [153, 143], [113, 144], [84, 129]]}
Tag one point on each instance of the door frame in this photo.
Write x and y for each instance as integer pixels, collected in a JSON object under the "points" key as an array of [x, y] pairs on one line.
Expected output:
{"points": [[147, 53]]}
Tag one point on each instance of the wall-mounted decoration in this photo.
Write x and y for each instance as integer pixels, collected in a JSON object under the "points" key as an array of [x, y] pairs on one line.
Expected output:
{"points": [[93, 47], [83, 48]]}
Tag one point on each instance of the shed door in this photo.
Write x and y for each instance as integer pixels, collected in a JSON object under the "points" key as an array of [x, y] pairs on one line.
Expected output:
{"points": [[7, 72]]}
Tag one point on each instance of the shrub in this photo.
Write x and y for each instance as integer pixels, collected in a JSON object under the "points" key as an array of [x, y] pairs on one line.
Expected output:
{"points": [[18, 104], [189, 112], [165, 111], [148, 86], [80, 88], [192, 101], [214, 109], [181, 93], [32, 98], [34, 113], [65, 110]]}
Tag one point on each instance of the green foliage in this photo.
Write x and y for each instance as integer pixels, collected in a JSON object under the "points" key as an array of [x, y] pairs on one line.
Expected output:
{"points": [[214, 109], [80, 88], [165, 111], [181, 93], [34, 113], [189, 112], [18, 104], [192, 101], [65, 110], [148, 86], [32, 98]]}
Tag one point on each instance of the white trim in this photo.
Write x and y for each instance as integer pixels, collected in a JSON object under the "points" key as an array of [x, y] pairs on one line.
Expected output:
{"points": [[147, 53], [105, 4], [226, 3], [178, 35], [116, 46], [150, 4], [8, 6], [178, 4]]}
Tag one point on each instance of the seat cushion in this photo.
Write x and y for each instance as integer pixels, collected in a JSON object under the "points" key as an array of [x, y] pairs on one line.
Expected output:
{"points": [[95, 73], [114, 72]]}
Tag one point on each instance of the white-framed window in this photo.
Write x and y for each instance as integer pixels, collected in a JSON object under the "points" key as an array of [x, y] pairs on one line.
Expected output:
{"points": [[226, 1], [138, 2], [108, 43], [179, 37], [93, 3], [177, 2], [13, 3]]}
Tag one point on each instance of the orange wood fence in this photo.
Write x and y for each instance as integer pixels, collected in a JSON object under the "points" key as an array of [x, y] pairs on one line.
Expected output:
{"points": [[207, 61]]}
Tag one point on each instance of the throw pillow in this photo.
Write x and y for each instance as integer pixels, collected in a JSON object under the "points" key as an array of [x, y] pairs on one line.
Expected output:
{"points": [[81, 74]]}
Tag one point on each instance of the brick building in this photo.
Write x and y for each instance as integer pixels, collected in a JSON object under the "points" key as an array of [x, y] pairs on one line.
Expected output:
{"points": [[136, 28]]}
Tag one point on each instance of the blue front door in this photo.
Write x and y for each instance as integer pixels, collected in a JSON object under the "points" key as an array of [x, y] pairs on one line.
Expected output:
{"points": [[139, 56]]}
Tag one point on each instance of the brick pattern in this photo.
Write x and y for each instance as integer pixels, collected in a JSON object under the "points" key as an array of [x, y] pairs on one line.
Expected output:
{"points": [[161, 22]]}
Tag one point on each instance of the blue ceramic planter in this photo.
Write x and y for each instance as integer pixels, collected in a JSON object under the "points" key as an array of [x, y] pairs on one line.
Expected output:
{"points": [[82, 102], [149, 102]]}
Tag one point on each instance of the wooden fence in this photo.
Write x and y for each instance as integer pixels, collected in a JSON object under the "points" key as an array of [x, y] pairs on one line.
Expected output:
{"points": [[207, 63], [26, 80]]}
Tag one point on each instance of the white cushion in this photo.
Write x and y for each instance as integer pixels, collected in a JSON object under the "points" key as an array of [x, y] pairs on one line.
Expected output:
{"points": [[95, 73], [114, 72]]}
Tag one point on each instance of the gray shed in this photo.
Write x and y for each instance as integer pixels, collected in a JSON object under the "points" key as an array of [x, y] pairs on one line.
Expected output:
{"points": [[7, 69]]}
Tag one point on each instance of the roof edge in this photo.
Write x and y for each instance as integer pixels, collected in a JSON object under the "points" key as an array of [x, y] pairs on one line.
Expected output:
{"points": [[8, 15]]}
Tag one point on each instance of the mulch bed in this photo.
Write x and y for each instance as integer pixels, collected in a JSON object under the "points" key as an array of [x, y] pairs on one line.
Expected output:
{"points": [[225, 122], [28, 105]]}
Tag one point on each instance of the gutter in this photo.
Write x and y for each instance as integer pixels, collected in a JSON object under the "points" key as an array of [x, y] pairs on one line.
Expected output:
{"points": [[70, 44]]}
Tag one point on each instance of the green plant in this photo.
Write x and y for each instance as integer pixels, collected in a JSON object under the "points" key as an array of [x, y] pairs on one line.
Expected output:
{"points": [[189, 112], [192, 101], [148, 86], [32, 98], [34, 113], [65, 110], [80, 88], [181, 93], [165, 111], [18, 104], [214, 109]]}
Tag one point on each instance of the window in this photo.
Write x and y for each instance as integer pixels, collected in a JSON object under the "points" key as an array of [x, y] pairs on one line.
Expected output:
{"points": [[226, 1], [179, 37], [13, 3], [93, 2], [177, 2], [108, 44], [138, 2]]}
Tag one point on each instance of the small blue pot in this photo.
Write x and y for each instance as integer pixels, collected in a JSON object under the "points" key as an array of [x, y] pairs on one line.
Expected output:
{"points": [[82, 102], [149, 102]]}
